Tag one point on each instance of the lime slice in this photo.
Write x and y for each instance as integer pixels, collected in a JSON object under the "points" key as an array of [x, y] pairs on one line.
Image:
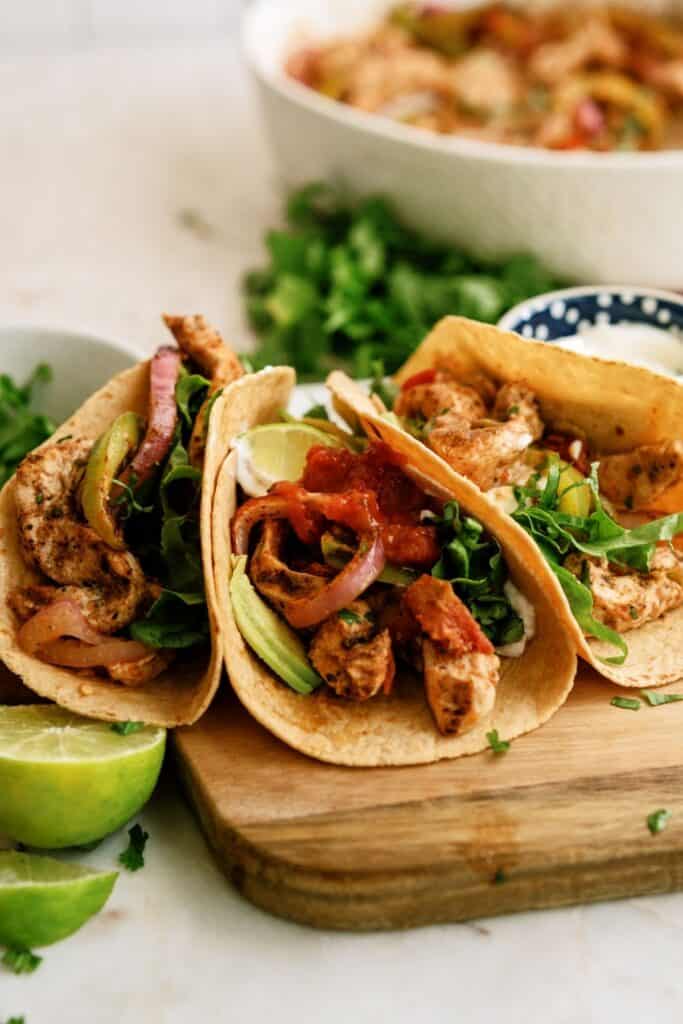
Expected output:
{"points": [[43, 900], [276, 451], [67, 780]]}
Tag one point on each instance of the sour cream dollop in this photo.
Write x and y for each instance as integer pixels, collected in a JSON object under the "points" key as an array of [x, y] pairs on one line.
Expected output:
{"points": [[527, 614], [640, 344]]}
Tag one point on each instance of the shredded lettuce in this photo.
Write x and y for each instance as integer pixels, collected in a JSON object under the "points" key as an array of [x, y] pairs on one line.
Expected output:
{"points": [[472, 562], [558, 534]]}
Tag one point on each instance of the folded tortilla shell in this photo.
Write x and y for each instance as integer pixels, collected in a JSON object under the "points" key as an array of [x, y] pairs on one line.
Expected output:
{"points": [[615, 406], [180, 694], [395, 730]]}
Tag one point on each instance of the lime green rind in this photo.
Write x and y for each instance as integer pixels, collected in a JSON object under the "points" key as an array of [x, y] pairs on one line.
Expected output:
{"points": [[268, 636], [53, 804], [43, 900]]}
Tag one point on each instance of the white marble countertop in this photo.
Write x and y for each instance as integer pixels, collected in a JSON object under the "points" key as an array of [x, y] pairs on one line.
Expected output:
{"points": [[103, 156]]}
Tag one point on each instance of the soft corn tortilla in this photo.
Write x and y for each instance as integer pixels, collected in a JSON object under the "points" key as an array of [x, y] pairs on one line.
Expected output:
{"points": [[395, 730], [615, 406], [184, 691]]}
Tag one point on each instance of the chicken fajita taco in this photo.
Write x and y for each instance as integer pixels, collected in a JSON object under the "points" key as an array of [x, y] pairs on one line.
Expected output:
{"points": [[585, 455], [105, 607], [368, 615]]}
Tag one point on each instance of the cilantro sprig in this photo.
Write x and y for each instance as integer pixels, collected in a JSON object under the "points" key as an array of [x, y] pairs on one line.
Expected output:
{"points": [[559, 534], [133, 857], [347, 283], [473, 563], [21, 961]]}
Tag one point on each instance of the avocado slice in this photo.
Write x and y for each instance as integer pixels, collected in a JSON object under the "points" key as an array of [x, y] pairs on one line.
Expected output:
{"points": [[337, 554], [267, 635]]}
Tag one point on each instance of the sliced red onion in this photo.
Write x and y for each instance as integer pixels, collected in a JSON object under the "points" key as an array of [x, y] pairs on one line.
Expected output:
{"points": [[43, 637], [355, 578], [163, 416], [252, 512]]}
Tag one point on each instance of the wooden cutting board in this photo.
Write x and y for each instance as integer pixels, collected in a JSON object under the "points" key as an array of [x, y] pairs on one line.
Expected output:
{"points": [[559, 819]]}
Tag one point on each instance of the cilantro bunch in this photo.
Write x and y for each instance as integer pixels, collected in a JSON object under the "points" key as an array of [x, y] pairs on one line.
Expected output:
{"points": [[347, 284], [558, 534], [473, 563], [21, 428]]}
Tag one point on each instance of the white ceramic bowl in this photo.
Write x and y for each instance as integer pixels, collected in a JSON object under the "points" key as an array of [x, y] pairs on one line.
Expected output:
{"points": [[605, 218], [81, 363]]}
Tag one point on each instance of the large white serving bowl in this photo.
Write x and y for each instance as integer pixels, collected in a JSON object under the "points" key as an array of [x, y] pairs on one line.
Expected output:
{"points": [[605, 218], [81, 363]]}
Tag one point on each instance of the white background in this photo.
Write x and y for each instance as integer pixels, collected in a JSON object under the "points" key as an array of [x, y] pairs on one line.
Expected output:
{"points": [[103, 149]]}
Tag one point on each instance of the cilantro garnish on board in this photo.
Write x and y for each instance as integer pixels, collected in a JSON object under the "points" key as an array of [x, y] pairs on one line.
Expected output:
{"points": [[497, 745], [658, 820], [472, 562], [21, 961], [559, 534], [133, 857]]}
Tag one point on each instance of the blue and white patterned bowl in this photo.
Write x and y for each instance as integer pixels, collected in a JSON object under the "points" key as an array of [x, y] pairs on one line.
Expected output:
{"points": [[563, 313]]}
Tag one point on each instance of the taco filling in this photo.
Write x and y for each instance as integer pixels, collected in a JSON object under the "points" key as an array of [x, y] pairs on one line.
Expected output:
{"points": [[592, 515], [112, 527], [354, 569]]}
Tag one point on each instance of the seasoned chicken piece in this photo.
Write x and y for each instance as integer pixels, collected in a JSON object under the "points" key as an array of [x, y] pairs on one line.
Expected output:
{"points": [[136, 673], [460, 690], [353, 658], [667, 76], [459, 663], [515, 402], [483, 454], [444, 395], [379, 78], [594, 41], [203, 344], [486, 82], [624, 599], [272, 577], [108, 586], [635, 479]]}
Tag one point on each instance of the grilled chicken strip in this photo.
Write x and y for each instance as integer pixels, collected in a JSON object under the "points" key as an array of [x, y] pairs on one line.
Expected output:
{"points": [[459, 663], [636, 479], [443, 395], [137, 673], [272, 577], [108, 586], [203, 344], [353, 658], [484, 452], [624, 599]]}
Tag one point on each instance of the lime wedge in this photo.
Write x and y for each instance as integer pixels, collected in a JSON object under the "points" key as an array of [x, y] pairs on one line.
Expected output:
{"points": [[43, 900], [67, 780], [276, 451]]}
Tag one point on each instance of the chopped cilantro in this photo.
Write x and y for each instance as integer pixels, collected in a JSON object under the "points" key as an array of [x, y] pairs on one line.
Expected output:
{"points": [[500, 877], [21, 961], [349, 617], [658, 820], [133, 857], [513, 411], [627, 703], [497, 745], [633, 612], [655, 699], [347, 283], [16, 1020], [126, 728]]}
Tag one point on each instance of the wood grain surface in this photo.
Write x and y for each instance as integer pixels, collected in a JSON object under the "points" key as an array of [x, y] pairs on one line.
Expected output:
{"points": [[559, 819]]}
